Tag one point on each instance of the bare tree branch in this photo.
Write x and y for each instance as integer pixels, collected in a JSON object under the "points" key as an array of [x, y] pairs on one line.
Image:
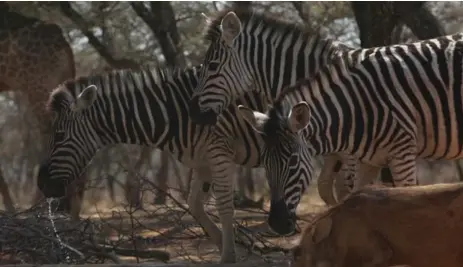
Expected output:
{"points": [[67, 10], [161, 20], [298, 5]]}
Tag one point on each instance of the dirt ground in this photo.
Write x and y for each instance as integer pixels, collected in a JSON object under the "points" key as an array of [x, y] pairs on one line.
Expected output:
{"points": [[171, 229]]}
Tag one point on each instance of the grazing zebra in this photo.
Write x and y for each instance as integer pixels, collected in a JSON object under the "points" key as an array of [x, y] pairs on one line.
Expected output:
{"points": [[86, 120], [260, 53], [401, 103], [150, 107]]}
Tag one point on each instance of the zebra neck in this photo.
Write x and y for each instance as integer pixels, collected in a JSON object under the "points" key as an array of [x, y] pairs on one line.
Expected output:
{"points": [[289, 58]]}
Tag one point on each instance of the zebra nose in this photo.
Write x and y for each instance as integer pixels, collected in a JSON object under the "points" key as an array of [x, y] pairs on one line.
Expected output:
{"points": [[50, 187], [201, 117], [280, 219]]}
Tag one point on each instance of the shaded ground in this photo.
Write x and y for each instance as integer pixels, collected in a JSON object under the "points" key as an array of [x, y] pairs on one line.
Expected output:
{"points": [[117, 234], [173, 230]]}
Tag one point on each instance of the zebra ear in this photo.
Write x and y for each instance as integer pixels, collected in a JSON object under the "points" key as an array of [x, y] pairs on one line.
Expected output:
{"points": [[299, 117], [85, 99], [254, 118], [231, 27]]}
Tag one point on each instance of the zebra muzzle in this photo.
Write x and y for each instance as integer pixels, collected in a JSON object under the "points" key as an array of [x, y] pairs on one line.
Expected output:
{"points": [[280, 219], [55, 188]]}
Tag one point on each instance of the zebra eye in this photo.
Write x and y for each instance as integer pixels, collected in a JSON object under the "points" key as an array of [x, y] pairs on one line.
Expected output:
{"points": [[213, 66], [59, 136], [293, 160]]}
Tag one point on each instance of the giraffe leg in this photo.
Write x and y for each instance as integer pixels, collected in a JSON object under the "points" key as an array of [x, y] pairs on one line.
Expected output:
{"points": [[199, 192], [223, 191]]}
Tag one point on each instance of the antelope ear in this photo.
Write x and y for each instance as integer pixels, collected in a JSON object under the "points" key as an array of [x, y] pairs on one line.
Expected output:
{"points": [[299, 116], [254, 118], [231, 27], [85, 99], [322, 229]]}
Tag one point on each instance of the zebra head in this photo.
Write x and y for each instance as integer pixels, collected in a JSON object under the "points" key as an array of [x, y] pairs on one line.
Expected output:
{"points": [[72, 143], [222, 71], [286, 157]]}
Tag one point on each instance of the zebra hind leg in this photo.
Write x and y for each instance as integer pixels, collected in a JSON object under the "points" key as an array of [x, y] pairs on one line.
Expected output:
{"points": [[404, 171], [196, 201]]}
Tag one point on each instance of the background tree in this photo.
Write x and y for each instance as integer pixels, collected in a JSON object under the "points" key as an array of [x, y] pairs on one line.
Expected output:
{"points": [[108, 35]]}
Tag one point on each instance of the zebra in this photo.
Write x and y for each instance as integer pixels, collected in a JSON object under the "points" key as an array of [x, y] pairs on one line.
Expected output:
{"points": [[401, 103], [253, 51], [150, 107]]}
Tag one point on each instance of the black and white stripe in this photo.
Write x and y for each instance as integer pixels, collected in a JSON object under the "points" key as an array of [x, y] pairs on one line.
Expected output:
{"points": [[150, 107], [252, 51], [400, 103]]}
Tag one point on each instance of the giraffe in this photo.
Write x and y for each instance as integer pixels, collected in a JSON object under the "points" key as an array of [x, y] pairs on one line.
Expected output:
{"points": [[34, 59]]}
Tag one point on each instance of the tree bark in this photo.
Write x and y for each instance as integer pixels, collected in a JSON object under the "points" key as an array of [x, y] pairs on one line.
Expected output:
{"points": [[133, 182], [161, 20], [161, 180], [246, 190], [423, 24], [5, 192], [242, 4]]}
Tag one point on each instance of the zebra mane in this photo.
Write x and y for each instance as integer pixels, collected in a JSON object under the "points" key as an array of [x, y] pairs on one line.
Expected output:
{"points": [[277, 120], [248, 16], [279, 112], [67, 92]]}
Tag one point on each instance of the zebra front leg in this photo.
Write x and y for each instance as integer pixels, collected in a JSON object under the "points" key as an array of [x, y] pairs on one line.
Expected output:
{"points": [[199, 192], [223, 191]]}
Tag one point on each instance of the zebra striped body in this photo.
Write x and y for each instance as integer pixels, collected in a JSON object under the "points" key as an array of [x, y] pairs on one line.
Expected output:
{"points": [[255, 52], [400, 103], [149, 107]]}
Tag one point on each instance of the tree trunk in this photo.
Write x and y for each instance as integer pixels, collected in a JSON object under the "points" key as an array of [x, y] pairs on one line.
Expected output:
{"points": [[242, 4], [7, 200], [423, 24], [133, 183], [161, 180], [161, 20], [246, 190], [376, 20]]}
